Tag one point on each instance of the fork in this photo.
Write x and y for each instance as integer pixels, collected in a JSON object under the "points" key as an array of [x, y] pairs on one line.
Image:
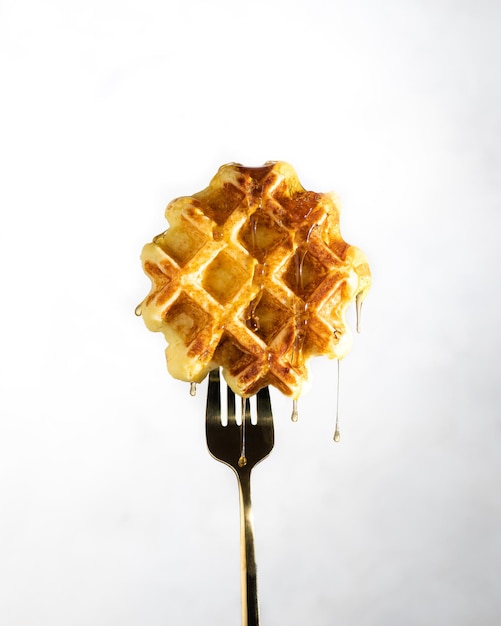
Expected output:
{"points": [[241, 447]]}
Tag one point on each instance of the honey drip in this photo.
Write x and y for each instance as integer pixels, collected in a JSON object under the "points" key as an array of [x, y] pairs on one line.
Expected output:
{"points": [[193, 389], [252, 320], [300, 324], [337, 434], [295, 413], [139, 310], [300, 319], [242, 461], [358, 305]]}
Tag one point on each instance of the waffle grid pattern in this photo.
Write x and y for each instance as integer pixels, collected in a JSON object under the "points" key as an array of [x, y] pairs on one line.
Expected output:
{"points": [[252, 275]]}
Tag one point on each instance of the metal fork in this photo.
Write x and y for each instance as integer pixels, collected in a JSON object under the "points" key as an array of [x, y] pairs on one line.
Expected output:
{"points": [[241, 447]]}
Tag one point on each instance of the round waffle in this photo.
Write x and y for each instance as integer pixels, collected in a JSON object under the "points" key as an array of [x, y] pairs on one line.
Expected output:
{"points": [[252, 275]]}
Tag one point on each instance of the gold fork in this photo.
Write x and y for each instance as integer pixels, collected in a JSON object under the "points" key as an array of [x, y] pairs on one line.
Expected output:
{"points": [[241, 447]]}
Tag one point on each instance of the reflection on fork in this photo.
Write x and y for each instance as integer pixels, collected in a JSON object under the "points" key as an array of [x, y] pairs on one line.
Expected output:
{"points": [[241, 445]]}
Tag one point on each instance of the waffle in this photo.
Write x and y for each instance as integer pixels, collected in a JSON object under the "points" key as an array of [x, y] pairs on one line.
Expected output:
{"points": [[253, 276]]}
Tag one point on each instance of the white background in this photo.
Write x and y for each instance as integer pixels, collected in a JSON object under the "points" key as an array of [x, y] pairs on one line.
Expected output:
{"points": [[112, 511]]}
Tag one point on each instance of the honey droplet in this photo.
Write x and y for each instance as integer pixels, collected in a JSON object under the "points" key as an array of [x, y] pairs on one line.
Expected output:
{"points": [[193, 389], [252, 323], [139, 310], [252, 319], [259, 272], [218, 233], [295, 414], [337, 435], [242, 461]]}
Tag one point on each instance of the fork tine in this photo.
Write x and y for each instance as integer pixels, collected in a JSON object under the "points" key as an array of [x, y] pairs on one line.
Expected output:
{"points": [[213, 409], [263, 403], [230, 406]]}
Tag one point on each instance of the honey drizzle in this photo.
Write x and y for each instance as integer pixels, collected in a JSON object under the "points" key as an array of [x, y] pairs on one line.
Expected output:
{"points": [[193, 389], [252, 320], [300, 312]]}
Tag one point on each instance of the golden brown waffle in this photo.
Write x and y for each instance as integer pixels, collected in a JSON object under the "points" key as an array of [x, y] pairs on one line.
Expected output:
{"points": [[252, 275]]}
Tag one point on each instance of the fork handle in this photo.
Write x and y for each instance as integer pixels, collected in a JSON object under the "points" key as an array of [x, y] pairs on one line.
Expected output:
{"points": [[250, 606]]}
